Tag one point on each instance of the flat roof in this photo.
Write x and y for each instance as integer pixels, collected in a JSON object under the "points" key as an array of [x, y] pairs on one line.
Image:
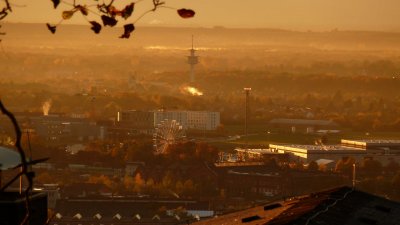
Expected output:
{"points": [[256, 150], [371, 142], [294, 147]]}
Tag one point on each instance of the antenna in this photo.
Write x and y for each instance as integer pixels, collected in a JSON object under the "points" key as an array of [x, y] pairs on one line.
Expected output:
{"points": [[192, 60], [192, 41], [246, 113]]}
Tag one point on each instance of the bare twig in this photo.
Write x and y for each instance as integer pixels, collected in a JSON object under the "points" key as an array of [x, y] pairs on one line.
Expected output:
{"points": [[24, 163]]}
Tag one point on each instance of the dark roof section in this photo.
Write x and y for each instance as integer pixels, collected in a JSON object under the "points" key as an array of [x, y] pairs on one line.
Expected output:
{"points": [[342, 205]]}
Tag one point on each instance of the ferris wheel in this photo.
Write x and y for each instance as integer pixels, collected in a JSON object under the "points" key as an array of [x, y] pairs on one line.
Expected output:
{"points": [[167, 133]]}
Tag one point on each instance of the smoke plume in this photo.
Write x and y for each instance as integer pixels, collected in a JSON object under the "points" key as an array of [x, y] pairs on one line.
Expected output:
{"points": [[46, 107]]}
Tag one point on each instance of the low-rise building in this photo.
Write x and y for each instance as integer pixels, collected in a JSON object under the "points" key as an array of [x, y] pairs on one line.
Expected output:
{"points": [[303, 125], [308, 153], [247, 154], [196, 120], [382, 150], [59, 130]]}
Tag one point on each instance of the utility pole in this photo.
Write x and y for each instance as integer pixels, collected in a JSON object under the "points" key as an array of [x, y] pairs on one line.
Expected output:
{"points": [[354, 175], [246, 114]]}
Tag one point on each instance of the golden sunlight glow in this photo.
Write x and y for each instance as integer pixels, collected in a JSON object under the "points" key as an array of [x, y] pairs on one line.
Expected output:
{"points": [[192, 90]]}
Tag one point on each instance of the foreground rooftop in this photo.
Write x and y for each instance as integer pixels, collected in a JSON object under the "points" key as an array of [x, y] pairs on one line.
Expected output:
{"points": [[342, 205]]}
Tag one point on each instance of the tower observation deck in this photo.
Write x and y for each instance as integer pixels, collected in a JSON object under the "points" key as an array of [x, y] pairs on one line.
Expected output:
{"points": [[192, 61]]}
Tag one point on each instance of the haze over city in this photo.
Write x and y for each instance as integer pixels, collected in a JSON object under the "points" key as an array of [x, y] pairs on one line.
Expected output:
{"points": [[200, 112]]}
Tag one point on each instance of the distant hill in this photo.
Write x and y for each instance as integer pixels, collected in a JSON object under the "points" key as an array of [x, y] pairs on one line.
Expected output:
{"points": [[69, 37]]}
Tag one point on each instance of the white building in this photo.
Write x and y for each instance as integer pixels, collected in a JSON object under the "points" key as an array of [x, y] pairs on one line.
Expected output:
{"points": [[308, 153], [198, 120], [381, 150]]}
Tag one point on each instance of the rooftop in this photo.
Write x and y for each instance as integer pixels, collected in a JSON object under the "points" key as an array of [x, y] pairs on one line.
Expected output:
{"points": [[336, 206], [315, 147], [256, 150], [375, 142]]}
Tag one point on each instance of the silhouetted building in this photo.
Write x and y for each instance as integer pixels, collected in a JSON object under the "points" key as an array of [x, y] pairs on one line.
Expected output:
{"points": [[196, 120], [59, 130], [250, 180], [13, 208], [123, 211], [336, 206], [140, 120], [381, 150]]}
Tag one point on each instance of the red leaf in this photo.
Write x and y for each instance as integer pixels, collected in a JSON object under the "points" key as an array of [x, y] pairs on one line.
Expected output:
{"points": [[186, 13], [96, 27], [51, 28], [128, 29], [112, 11]]}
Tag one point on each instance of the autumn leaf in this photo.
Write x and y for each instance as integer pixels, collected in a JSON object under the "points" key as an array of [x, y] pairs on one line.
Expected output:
{"points": [[112, 11], [186, 13], [67, 14], [127, 11], [96, 27], [108, 21], [82, 9], [128, 29], [51, 28], [55, 3]]}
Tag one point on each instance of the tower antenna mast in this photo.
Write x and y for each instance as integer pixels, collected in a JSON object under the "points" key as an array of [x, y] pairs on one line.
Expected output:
{"points": [[193, 59]]}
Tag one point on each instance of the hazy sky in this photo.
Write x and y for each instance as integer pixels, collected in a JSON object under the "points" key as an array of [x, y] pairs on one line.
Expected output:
{"points": [[287, 14]]}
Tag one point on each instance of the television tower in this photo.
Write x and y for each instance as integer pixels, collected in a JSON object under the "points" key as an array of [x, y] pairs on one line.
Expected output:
{"points": [[192, 61]]}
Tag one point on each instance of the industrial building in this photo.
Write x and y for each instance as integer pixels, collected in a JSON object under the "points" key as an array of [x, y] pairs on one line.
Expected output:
{"points": [[308, 153], [381, 150], [384, 146], [196, 120], [58, 129], [145, 121], [137, 119], [245, 154], [132, 122]]}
